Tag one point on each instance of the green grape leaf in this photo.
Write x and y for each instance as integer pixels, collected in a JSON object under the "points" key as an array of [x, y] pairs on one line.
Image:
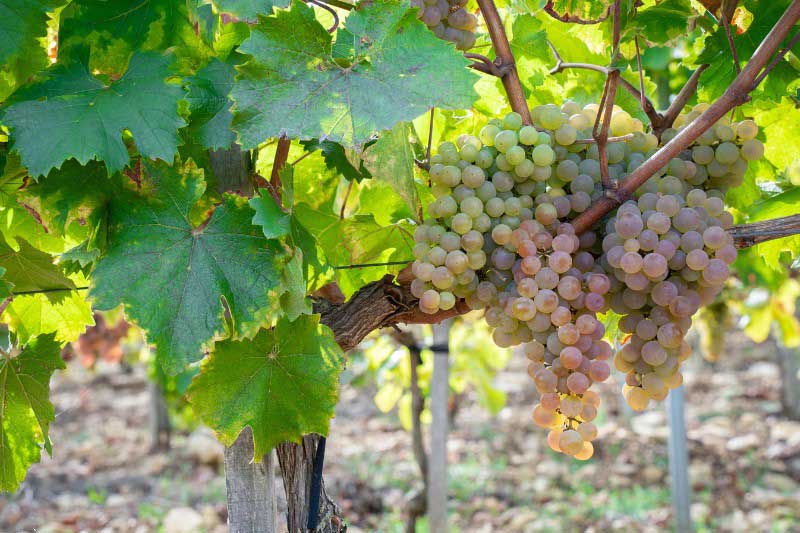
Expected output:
{"points": [[30, 269], [25, 408], [273, 220], [294, 302], [86, 117], [337, 158], [662, 22], [172, 275], [717, 54], [5, 285], [357, 240], [79, 258], [391, 160], [283, 384], [22, 24], [34, 314], [248, 9], [72, 194], [210, 108], [583, 9], [778, 121], [13, 178], [115, 29], [293, 85]]}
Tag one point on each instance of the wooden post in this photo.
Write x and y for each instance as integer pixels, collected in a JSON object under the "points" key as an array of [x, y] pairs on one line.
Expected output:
{"points": [[679, 461], [297, 469], [250, 486], [790, 386], [437, 466], [160, 427]]}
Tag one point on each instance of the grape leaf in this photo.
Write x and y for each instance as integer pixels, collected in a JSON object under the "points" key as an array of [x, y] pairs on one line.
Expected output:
{"points": [[391, 159], [30, 269], [248, 9], [662, 22], [294, 302], [336, 158], [283, 384], [25, 408], [294, 86], [356, 240], [115, 29], [778, 121], [717, 54], [210, 108], [171, 275], [275, 221], [86, 117], [22, 24], [72, 194], [583, 9], [31, 315]]}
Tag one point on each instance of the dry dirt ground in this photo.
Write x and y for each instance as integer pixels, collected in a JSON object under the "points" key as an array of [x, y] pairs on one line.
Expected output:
{"points": [[745, 462]]}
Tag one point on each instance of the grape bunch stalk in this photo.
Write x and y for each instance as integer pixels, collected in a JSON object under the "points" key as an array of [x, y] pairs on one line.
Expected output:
{"points": [[449, 20], [498, 236]]}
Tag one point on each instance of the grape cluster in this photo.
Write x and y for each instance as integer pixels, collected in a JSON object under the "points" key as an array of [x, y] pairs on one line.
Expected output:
{"points": [[497, 237], [449, 20], [668, 257]]}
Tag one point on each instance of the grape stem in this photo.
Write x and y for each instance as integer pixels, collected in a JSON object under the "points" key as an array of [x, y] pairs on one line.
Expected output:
{"points": [[647, 105], [736, 94], [330, 10], [602, 122], [486, 65], [726, 24], [505, 59]]}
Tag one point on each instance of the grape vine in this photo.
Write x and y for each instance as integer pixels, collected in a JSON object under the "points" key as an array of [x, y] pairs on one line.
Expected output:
{"points": [[150, 162]]}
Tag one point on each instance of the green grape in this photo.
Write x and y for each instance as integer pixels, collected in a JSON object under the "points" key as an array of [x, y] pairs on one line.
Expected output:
{"points": [[512, 121], [505, 140], [565, 135], [472, 206], [543, 155], [528, 135], [752, 149], [488, 134], [726, 153], [485, 158], [746, 130], [515, 155], [551, 118], [461, 223], [567, 170], [525, 168]]}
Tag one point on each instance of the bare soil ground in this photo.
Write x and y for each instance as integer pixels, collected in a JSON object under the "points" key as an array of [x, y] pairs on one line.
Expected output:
{"points": [[745, 462]]}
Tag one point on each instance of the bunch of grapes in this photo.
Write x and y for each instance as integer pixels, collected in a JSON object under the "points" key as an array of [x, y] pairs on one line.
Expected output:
{"points": [[497, 237], [449, 20], [669, 256]]}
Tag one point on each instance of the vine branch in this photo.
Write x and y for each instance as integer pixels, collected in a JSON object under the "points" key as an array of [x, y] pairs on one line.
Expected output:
{"points": [[736, 94], [505, 59]]}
